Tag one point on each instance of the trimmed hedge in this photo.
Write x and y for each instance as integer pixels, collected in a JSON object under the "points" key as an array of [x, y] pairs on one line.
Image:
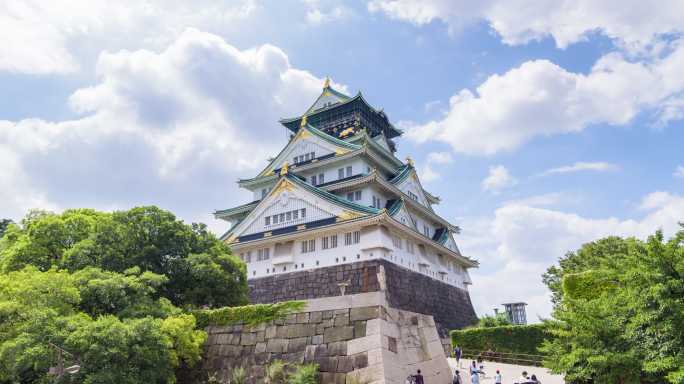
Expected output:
{"points": [[524, 339], [247, 314]]}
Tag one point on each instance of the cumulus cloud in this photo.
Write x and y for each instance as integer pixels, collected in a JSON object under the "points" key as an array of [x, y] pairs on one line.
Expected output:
{"points": [[517, 245], [679, 171], [428, 172], [598, 166], [174, 128], [637, 23], [539, 99], [498, 178], [44, 37]]}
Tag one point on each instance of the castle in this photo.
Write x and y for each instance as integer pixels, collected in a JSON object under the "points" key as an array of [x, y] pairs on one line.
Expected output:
{"points": [[336, 212]]}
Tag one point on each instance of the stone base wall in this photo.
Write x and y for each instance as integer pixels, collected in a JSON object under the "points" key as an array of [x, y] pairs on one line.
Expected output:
{"points": [[405, 289], [353, 339]]}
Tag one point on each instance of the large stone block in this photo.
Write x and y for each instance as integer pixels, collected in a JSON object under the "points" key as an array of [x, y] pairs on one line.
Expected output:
{"points": [[338, 348], [298, 344], [364, 313], [248, 339], [338, 334], [277, 345], [300, 330]]}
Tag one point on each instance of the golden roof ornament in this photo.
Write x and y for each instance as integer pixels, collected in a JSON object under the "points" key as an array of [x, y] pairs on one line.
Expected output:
{"points": [[304, 121], [409, 160], [284, 169], [326, 84]]}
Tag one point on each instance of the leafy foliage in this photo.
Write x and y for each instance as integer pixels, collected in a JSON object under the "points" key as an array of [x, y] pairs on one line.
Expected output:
{"points": [[248, 314], [198, 268], [619, 310], [524, 339], [488, 321], [4, 223], [111, 288], [305, 374], [275, 372], [40, 307]]}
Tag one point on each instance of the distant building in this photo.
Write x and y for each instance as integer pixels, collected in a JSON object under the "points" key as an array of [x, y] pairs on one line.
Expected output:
{"points": [[516, 313]]}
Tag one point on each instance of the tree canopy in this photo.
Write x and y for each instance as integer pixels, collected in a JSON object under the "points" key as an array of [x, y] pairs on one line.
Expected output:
{"points": [[115, 289], [619, 311]]}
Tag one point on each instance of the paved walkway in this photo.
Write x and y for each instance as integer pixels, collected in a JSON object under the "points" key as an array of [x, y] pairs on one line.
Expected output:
{"points": [[509, 372]]}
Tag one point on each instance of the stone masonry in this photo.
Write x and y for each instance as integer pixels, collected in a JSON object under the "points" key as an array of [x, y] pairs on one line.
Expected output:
{"points": [[356, 338], [405, 289]]}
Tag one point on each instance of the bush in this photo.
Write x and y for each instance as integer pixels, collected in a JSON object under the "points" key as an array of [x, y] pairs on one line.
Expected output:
{"points": [[523, 339], [246, 314]]}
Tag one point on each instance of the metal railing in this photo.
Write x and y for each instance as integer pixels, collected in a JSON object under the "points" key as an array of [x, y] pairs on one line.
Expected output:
{"points": [[503, 357]]}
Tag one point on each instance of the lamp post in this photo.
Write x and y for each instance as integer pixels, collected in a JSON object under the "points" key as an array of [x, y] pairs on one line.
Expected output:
{"points": [[60, 370]]}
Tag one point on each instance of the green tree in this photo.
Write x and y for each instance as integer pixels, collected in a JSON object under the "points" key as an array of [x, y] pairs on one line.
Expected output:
{"points": [[619, 311], [488, 321], [4, 223], [198, 268], [40, 307]]}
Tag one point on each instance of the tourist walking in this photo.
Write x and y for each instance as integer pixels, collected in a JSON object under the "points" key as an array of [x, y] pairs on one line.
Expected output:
{"points": [[497, 377], [534, 380], [474, 378], [457, 355], [418, 378], [457, 378]]}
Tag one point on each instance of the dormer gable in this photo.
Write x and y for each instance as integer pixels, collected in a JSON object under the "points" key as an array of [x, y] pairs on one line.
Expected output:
{"points": [[293, 203]]}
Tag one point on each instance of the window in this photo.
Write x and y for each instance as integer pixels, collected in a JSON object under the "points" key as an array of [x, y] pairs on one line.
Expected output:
{"points": [[288, 215], [350, 196], [324, 242], [282, 217], [263, 254], [357, 237], [321, 178], [313, 180], [306, 157], [376, 202], [340, 173], [357, 195], [313, 155], [410, 247], [267, 220], [412, 195], [308, 246], [396, 241], [349, 171], [248, 257], [295, 160], [264, 192], [275, 219], [426, 230], [333, 241], [295, 214], [303, 212], [347, 238]]}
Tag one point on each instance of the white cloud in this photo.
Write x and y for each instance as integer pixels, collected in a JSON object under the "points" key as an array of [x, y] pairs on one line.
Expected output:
{"points": [[679, 171], [632, 23], [580, 166], [173, 128], [517, 245], [43, 37], [539, 99], [498, 178], [319, 13], [428, 172]]}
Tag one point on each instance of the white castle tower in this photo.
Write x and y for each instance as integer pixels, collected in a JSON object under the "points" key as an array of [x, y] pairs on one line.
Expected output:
{"points": [[337, 210]]}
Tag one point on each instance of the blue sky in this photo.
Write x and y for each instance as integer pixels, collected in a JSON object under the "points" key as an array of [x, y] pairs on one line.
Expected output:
{"points": [[541, 125]]}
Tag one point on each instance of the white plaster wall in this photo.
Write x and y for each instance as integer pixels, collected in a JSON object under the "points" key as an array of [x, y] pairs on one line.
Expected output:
{"points": [[375, 243]]}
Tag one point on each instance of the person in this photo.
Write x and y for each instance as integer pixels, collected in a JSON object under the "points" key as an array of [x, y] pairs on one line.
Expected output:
{"points": [[474, 378], [497, 377], [457, 378], [418, 378], [524, 378], [457, 355], [534, 379]]}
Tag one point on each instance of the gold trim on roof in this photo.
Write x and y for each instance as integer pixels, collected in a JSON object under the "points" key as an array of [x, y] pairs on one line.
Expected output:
{"points": [[284, 169]]}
